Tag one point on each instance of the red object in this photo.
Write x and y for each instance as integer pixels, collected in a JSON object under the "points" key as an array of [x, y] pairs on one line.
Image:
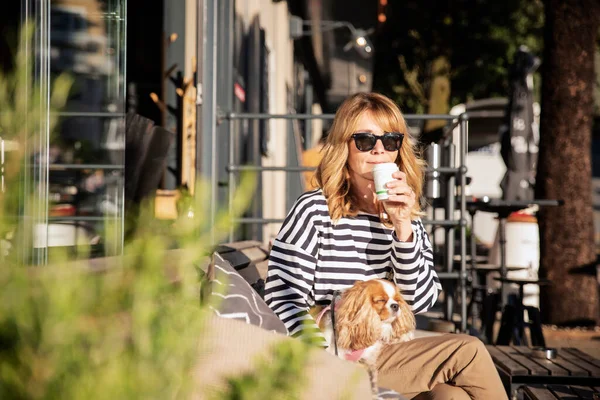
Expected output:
{"points": [[239, 91], [62, 210]]}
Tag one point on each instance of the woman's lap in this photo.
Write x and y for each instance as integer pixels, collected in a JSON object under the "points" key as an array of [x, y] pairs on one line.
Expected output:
{"points": [[419, 365]]}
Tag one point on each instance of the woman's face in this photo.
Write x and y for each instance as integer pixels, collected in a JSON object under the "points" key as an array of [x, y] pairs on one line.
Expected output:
{"points": [[361, 163]]}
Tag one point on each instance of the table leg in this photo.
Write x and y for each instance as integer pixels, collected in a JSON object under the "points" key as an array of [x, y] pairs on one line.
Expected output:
{"points": [[535, 327], [490, 306], [502, 243], [521, 316], [475, 298], [507, 325], [449, 302]]}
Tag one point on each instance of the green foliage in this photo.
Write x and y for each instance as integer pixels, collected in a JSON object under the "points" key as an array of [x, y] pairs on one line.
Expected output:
{"points": [[479, 38], [128, 331], [118, 328]]}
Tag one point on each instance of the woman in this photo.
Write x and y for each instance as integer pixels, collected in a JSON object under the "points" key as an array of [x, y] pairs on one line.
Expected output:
{"points": [[340, 233]]}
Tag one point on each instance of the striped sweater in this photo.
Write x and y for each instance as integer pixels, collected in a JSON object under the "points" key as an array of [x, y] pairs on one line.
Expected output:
{"points": [[312, 257]]}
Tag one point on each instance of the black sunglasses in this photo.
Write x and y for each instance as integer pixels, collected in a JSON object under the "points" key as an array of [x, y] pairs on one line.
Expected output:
{"points": [[364, 141]]}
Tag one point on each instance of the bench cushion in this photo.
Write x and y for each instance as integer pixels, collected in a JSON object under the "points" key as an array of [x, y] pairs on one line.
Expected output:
{"points": [[232, 297]]}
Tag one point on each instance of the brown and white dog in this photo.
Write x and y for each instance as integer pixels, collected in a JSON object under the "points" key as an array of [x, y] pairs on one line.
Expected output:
{"points": [[369, 315]]}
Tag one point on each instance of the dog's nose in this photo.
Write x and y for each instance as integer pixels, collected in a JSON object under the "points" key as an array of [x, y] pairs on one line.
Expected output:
{"points": [[394, 307]]}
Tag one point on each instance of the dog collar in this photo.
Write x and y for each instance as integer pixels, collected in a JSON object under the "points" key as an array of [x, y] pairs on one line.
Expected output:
{"points": [[355, 355], [320, 315]]}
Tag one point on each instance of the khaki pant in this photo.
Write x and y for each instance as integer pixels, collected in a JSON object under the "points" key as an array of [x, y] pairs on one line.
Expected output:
{"points": [[441, 367], [419, 369]]}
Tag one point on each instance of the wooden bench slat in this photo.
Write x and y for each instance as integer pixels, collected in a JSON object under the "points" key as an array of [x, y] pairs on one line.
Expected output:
{"points": [[563, 392], [255, 254], [593, 370], [538, 392], [243, 244], [533, 367], [574, 369], [510, 366], [590, 369], [583, 356], [554, 369], [262, 268], [584, 392]]}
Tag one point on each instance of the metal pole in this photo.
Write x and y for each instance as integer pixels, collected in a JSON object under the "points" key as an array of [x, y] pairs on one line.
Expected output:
{"points": [[249, 220], [464, 132], [229, 30], [231, 180], [475, 276], [233, 168], [449, 215], [206, 100], [502, 243], [308, 102], [408, 117], [236, 167]]}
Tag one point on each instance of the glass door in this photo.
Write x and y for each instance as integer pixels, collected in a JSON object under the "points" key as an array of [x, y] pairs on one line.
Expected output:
{"points": [[77, 172]]}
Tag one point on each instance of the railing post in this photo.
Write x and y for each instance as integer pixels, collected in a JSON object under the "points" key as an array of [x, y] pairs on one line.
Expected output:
{"points": [[206, 101], [464, 132], [449, 232]]}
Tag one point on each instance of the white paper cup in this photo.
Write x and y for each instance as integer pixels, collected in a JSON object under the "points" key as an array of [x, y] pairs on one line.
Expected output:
{"points": [[382, 174]]}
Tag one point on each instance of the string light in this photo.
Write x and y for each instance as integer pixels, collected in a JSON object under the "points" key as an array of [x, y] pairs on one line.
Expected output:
{"points": [[381, 16]]}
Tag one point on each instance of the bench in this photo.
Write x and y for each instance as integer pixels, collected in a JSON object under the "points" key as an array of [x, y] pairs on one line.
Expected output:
{"points": [[236, 277], [250, 259], [553, 392], [517, 367]]}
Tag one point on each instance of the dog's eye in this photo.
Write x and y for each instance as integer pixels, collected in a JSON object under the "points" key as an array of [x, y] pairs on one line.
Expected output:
{"points": [[380, 300]]}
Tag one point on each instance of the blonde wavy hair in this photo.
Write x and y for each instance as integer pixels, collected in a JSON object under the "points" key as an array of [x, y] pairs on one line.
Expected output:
{"points": [[333, 174]]}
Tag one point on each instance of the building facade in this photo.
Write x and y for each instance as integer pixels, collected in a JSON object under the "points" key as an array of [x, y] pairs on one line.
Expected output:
{"points": [[208, 72]]}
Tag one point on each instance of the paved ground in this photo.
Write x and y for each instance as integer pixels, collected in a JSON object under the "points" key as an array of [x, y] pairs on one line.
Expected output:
{"points": [[588, 340]]}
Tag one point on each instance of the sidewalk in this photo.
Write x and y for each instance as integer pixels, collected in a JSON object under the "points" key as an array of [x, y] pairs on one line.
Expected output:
{"points": [[588, 339]]}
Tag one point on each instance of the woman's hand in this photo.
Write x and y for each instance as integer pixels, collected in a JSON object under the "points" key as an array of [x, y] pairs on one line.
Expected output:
{"points": [[399, 205]]}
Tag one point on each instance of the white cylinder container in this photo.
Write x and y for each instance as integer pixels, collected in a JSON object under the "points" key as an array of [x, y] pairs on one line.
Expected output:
{"points": [[522, 250], [382, 174]]}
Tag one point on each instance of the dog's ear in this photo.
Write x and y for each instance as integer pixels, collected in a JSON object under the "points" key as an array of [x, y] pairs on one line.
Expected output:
{"points": [[405, 322], [357, 323]]}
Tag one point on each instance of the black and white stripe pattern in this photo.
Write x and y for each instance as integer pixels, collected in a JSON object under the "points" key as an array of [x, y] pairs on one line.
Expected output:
{"points": [[311, 258]]}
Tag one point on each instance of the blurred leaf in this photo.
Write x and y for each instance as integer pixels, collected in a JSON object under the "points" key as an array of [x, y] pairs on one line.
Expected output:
{"points": [[129, 329]]}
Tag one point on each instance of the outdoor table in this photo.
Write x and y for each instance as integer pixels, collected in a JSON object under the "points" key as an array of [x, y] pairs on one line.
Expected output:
{"points": [[518, 367], [503, 208], [486, 297], [512, 325]]}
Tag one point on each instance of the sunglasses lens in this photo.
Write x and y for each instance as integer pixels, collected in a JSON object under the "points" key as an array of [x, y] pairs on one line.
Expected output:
{"points": [[392, 142], [364, 141]]}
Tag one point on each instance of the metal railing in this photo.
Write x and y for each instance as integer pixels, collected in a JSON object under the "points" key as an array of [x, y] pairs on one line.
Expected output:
{"points": [[449, 173]]}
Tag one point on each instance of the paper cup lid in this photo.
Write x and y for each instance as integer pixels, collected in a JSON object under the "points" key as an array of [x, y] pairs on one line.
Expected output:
{"points": [[385, 166]]}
